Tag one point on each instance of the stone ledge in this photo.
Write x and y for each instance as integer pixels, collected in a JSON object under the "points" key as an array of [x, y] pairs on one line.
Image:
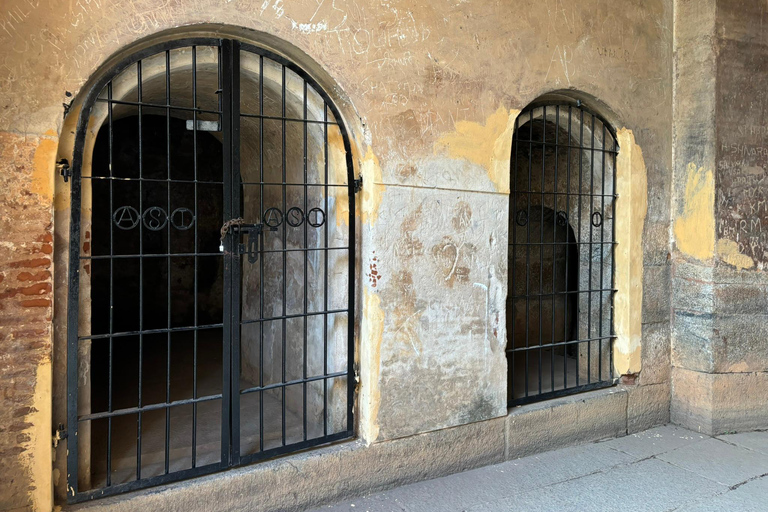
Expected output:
{"points": [[562, 422]]}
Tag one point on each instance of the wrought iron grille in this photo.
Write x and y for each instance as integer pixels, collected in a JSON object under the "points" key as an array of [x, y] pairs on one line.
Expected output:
{"points": [[561, 253], [210, 309]]}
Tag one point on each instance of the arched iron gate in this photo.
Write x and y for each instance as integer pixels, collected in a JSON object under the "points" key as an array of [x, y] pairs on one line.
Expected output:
{"points": [[561, 253], [211, 308]]}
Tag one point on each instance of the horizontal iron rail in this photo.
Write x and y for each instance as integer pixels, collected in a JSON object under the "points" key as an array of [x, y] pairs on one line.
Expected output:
{"points": [[280, 118], [533, 348], [278, 385], [158, 106], [145, 408]]}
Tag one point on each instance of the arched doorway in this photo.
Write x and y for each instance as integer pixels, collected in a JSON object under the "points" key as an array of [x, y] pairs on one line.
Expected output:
{"points": [[561, 252], [210, 310]]}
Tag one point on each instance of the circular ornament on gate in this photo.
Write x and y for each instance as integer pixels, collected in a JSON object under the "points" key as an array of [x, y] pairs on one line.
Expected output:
{"points": [[155, 218], [318, 219], [182, 218], [521, 218], [597, 219], [294, 217], [562, 218], [273, 217], [126, 217]]}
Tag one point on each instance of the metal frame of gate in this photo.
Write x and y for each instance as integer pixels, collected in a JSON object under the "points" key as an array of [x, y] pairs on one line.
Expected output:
{"points": [[229, 114], [592, 237]]}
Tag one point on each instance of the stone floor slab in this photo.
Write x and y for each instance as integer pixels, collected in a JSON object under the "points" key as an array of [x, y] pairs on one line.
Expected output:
{"points": [[647, 486], [750, 497], [719, 461], [757, 441], [655, 441]]}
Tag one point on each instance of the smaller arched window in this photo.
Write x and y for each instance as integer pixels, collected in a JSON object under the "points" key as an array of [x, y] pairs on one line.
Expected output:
{"points": [[561, 253]]}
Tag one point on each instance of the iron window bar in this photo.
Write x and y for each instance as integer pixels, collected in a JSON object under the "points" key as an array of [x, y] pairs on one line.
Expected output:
{"points": [[562, 212]]}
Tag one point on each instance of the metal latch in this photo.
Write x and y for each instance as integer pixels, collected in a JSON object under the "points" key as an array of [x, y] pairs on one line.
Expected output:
{"points": [[60, 434], [255, 233], [63, 167], [358, 184]]}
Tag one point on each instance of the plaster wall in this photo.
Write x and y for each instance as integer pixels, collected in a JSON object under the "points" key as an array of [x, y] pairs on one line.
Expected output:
{"points": [[429, 93]]}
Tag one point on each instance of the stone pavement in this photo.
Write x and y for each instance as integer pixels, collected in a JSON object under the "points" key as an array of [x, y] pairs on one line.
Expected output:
{"points": [[663, 469]]}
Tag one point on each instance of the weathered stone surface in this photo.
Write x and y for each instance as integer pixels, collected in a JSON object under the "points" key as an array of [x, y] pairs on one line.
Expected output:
{"points": [[327, 474], [721, 402], [655, 441], [577, 419], [692, 340], [647, 406], [656, 296], [656, 354]]}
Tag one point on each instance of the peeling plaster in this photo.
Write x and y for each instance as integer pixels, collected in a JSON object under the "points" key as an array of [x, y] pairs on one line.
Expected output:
{"points": [[631, 210], [728, 251], [695, 228], [487, 145], [42, 170], [373, 187], [370, 346], [40, 438]]}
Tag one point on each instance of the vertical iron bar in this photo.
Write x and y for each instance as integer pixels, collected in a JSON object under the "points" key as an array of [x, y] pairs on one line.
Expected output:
{"points": [[541, 237], [513, 291], [306, 264], [590, 197], [230, 247], [196, 250], [528, 254], [261, 260], [111, 285], [579, 245], [285, 256], [554, 249], [566, 333], [325, 282], [602, 248], [613, 251], [237, 192], [168, 260], [141, 277]]}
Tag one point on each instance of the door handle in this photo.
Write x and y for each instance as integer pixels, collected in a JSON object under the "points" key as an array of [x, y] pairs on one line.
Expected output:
{"points": [[255, 243]]}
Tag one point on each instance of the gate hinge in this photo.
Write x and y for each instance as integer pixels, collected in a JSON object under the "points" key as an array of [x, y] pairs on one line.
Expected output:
{"points": [[63, 167], [359, 184], [61, 433], [67, 106]]}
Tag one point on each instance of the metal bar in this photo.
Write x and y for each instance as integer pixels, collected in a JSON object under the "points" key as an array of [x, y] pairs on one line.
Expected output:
{"points": [[141, 280], [613, 258], [293, 382], [196, 256], [111, 289], [602, 233], [561, 343], [168, 262], [325, 281], [528, 255], [513, 245], [218, 254], [149, 331], [589, 295], [225, 104], [306, 265], [541, 237], [285, 259], [563, 392], [289, 119], [147, 408], [554, 254], [151, 180], [261, 260], [158, 106], [578, 236], [566, 327], [236, 269], [605, 290], [567, 146]]}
